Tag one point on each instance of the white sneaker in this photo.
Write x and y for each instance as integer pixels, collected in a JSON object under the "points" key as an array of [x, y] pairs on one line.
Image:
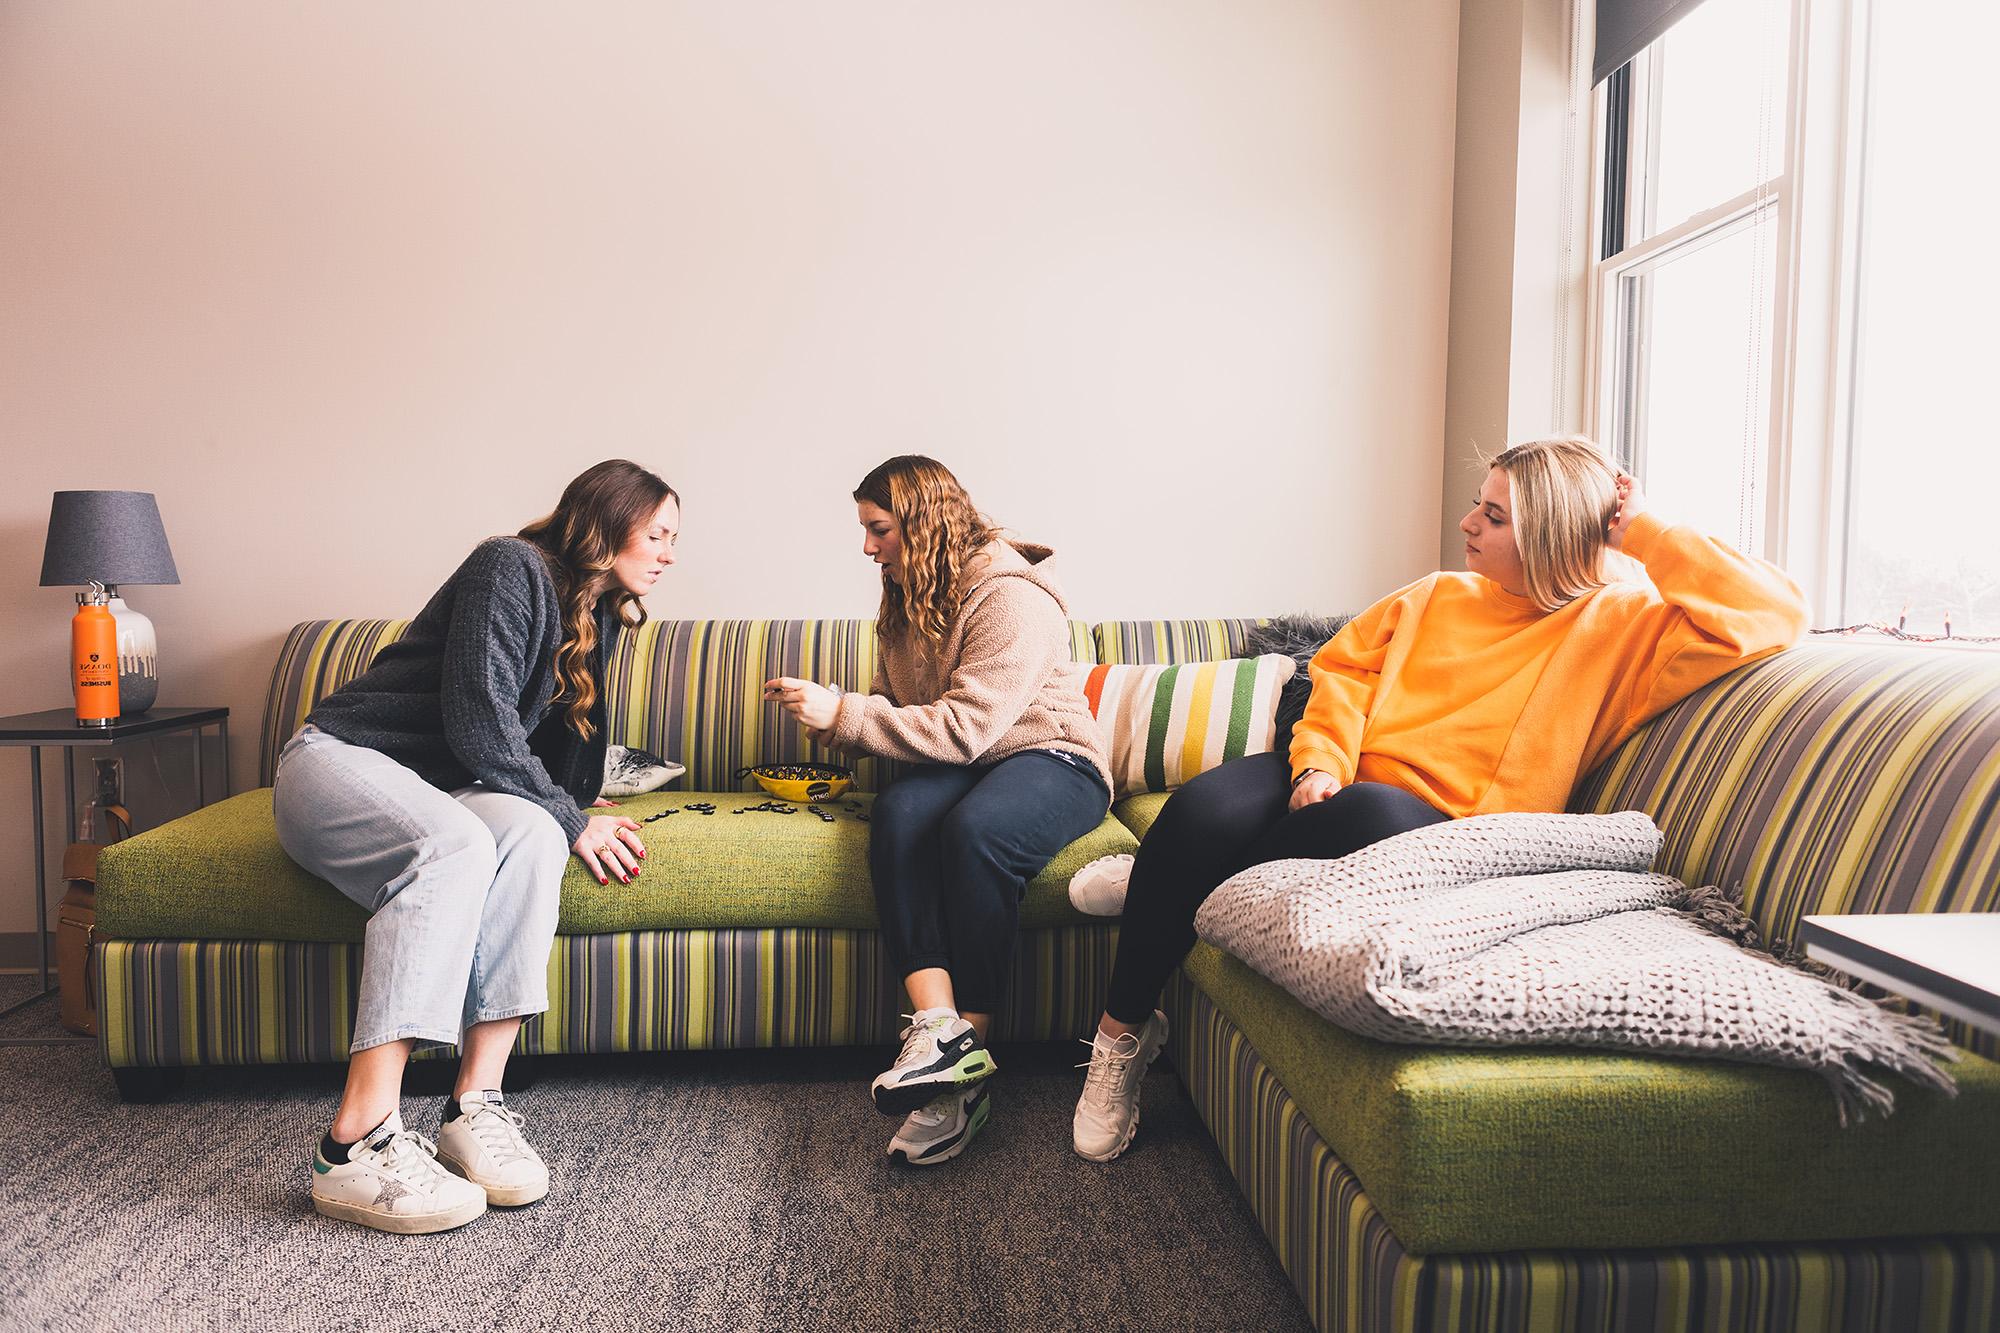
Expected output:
{"points": [[485, 1145], [941, 1053], [942, 1130], [1107, 1115], [391, 1181], [1099, 888]]}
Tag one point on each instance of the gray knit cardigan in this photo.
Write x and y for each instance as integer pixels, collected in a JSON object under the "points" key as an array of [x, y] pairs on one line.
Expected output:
{"points": [[465, 695]]}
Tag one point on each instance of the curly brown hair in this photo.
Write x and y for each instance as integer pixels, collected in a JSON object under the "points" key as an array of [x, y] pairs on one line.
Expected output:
{"points": [[941, 531], [597, 515]]}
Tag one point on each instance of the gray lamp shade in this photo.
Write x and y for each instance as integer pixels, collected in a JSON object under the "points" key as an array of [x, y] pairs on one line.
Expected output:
{"points": [[108, 536]]}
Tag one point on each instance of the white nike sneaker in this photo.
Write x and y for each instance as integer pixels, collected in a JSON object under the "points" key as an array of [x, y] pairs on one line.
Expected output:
{"points": [[391, 1181], [1099, 888], [942, 1130], [1107, 1115], [485, 1145], [941, 1053]]}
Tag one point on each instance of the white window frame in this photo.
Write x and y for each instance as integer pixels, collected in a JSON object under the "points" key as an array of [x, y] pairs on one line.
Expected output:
{"points": [[1815, 210]]}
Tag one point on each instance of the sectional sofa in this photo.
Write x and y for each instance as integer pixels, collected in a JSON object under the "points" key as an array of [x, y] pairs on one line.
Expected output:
{"points": [[1402, 1187]]}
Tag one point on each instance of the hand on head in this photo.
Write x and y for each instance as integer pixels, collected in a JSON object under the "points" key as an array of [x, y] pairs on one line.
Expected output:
{"points": [[1631, 503]]}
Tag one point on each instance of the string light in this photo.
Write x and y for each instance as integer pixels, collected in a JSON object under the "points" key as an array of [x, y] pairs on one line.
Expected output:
{"points": [[1897, 631]]}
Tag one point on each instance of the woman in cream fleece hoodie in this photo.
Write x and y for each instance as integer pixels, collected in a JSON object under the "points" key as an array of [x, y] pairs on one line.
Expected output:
{"points": [[975, 685]]}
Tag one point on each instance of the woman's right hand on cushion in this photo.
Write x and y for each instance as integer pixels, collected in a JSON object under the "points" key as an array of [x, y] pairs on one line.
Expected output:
{"points": [[1313, 788], [609, 845]]}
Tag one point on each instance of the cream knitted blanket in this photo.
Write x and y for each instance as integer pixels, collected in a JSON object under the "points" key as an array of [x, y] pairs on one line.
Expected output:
{"points": [[1547, 929]]}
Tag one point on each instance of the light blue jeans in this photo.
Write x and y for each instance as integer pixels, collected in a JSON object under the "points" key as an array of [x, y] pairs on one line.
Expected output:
{"points": [[462, 886]]}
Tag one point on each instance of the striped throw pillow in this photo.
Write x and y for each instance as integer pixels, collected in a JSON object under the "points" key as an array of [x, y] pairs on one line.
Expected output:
{"points": [[1164, 724]]}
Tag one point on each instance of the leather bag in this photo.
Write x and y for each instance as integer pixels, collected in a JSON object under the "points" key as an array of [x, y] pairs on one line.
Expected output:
{"points": [[76, 924]]}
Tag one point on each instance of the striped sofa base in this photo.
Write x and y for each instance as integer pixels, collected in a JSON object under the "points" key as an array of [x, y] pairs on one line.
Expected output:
{"points": [[168, 1003], [1353, 1274]]}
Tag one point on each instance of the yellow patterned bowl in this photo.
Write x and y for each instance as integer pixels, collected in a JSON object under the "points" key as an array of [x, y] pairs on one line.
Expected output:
{"points": [[804, 783]]}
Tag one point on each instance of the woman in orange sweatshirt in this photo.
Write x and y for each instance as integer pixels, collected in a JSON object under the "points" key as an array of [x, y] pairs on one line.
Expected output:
{"points": [[1461, 694]]}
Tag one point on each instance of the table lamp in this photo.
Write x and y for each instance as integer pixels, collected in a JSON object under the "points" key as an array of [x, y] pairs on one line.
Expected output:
{"points": [[114, 537]]}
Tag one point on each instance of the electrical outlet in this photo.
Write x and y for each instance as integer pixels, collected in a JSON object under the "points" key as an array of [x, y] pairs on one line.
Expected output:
{"points": [[110, 789]]}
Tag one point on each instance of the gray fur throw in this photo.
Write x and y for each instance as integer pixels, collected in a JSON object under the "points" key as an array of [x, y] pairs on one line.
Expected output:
{"points": [[629, 771], [1504, 930], [1300, 638]]}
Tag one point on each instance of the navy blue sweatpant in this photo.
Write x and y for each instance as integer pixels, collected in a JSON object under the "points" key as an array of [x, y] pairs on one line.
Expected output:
{"points": [[951, 850]]}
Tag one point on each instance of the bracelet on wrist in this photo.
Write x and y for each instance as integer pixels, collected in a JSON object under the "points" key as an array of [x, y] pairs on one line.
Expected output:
{"points": [[1303, 775]]}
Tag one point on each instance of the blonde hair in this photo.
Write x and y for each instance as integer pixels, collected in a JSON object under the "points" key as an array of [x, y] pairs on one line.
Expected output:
{"points": [[598, 513], [1565, 491], [941, 532]]}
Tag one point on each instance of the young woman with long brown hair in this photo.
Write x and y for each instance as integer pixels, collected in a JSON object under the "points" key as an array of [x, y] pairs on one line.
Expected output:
{"points": [[1493, 690], [444, 790], [976, 687]]}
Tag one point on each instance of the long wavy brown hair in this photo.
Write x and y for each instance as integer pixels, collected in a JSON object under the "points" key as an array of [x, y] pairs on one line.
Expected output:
{"points": [[941, 531], [598, 514]]}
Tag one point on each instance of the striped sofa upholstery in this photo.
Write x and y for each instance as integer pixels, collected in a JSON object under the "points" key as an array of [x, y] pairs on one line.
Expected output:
{"points": [[319, 656], [688, 689], [1165, 642], [169, 1003]]}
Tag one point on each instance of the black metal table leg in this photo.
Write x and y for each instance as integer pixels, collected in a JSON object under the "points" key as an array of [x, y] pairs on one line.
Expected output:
{"points": [[41, 876]]}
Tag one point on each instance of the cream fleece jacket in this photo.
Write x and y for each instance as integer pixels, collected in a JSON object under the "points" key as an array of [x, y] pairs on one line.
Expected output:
{"points": [[1001, 683]]}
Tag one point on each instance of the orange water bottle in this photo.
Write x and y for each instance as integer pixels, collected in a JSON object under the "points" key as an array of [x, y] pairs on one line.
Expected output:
{"points": [[93, 655]]}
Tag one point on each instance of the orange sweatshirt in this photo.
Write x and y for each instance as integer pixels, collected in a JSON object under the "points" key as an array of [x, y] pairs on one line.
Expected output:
{"points": [[1477, 701]]}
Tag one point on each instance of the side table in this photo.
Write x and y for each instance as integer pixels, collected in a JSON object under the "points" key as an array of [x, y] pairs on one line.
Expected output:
{"points": [[1947, 961], [57, 727]]}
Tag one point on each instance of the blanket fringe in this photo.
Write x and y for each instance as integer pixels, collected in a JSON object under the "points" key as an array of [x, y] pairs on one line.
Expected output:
{"points": [[1716, 909], [1867, 1031], [1721, 910], [1909, 1044]]}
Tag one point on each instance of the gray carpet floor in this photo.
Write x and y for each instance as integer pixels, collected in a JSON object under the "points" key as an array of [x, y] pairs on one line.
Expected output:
{"points": [[728, 1190]]}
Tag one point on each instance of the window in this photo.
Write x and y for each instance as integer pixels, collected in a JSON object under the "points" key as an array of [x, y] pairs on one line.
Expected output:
{"points": [[1687, 286], [1923, 478], [1790, 306]]}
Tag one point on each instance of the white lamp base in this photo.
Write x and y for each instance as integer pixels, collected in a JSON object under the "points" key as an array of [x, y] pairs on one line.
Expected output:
{"points": [[138, 658]]}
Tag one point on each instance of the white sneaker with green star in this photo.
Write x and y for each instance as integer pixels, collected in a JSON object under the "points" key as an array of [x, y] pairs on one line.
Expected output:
{"points": [[391, 1181]]}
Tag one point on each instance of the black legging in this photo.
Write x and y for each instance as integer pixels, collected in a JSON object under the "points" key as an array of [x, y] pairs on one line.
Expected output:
{"points": [[1224, 820]]}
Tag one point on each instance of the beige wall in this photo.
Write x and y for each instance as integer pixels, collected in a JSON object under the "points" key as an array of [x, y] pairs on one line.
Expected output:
{"points": [[1518, 295], [350, 287]]}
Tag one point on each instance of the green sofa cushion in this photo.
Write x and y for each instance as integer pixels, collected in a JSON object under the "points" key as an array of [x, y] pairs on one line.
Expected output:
{"points": [[1533, 1148], [219, 873], [1138, 812]]}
